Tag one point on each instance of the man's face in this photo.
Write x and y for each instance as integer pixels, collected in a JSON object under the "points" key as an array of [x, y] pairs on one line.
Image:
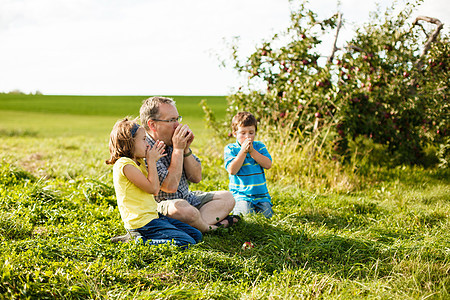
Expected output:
{"points": [[164, 130]]}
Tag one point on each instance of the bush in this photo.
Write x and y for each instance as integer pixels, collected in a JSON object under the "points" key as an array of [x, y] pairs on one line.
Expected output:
{"points": [[388, 85]]}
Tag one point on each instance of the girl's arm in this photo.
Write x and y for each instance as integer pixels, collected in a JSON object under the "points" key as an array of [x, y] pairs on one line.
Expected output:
{"points": [[149, 184]]}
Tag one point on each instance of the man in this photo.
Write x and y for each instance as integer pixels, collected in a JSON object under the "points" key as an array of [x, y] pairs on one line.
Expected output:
{"points": [[202, 210]]}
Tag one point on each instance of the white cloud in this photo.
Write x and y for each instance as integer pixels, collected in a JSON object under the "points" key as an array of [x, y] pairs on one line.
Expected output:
{"points": [[141, 46]]}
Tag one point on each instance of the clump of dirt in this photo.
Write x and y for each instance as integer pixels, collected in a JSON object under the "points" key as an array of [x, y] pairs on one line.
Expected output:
{"points": [[34, 164]]}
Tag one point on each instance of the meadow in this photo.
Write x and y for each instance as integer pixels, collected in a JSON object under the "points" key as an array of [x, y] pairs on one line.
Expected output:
{"points": [[386, 237]]}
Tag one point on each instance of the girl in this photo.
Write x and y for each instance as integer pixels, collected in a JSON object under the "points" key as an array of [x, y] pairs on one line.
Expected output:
{"points": [[135, 184]]}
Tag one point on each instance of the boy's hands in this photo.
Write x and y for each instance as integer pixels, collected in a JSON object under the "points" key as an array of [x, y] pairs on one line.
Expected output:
{"points": [[236, 163], [247, 145], [156, 152]]}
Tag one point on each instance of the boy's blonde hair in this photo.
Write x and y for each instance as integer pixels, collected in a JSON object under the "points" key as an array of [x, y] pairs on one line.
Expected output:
{"points": [[122, 140], [243, 119], [150, 109]]}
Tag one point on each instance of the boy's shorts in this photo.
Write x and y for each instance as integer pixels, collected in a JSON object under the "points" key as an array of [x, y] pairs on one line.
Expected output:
{"points": [[204, 197]]}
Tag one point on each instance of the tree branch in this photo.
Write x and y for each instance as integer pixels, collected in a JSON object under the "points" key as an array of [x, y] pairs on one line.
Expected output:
{"points": [[427, 46], [431, 38], [353, 47], [330, 58]]}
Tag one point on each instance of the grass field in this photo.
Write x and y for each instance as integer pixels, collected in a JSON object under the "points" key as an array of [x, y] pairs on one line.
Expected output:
{"points": [[389, 239], [88, 116], [115, 106]]}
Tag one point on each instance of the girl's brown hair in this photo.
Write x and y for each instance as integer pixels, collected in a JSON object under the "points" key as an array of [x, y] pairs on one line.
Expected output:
{"points": [[121, 140]]}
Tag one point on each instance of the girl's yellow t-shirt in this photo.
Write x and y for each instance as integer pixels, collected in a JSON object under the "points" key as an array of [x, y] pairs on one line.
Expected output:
{"points": [[137, 208]]}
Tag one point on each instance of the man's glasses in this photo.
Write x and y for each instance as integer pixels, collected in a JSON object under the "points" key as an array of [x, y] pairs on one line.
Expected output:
{"points": [[177, 119]]}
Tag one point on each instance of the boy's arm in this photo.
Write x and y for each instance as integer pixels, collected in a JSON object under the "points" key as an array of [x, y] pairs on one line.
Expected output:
{"points": [[261, 159], [236, 164]]}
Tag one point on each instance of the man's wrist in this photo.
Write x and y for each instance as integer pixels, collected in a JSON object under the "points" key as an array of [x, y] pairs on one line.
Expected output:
{"points": [[178, 151], [188, 153]]}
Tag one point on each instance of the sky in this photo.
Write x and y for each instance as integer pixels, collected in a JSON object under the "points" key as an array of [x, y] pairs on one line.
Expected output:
{"points": [[149, 47]]}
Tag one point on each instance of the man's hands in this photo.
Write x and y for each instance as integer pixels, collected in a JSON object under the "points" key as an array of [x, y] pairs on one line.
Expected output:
{"points": [[181, 140], [182, 137]]}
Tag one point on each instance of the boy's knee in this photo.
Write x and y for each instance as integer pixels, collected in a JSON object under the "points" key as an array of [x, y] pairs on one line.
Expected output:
{"points": [[243, 208], [268, 213], [266, 210]]}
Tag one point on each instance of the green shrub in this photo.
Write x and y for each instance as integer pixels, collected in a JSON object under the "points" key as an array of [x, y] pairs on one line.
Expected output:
{"points": [[386, 85]]}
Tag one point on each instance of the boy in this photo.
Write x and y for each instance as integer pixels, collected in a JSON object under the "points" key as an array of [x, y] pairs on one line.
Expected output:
{"points": [[245, 162]]}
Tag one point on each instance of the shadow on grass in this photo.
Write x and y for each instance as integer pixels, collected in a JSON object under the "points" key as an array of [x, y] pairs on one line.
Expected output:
{"points": [[415, 177], [18, 133], [276, 249], [351, 216]]}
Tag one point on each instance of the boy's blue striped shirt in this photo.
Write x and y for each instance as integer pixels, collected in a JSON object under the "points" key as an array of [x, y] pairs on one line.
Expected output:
{"points": [[250, 180]]}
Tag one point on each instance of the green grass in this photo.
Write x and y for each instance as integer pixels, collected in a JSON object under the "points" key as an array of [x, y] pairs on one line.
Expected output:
{"points": [[116, 106], [390, 239], [89, 116]]}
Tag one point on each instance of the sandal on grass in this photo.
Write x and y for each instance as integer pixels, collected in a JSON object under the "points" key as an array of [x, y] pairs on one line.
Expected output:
{"points": [[230, 220]]}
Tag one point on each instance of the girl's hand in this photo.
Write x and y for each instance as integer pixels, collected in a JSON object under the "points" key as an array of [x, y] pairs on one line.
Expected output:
{"points": [[156, 152]]}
